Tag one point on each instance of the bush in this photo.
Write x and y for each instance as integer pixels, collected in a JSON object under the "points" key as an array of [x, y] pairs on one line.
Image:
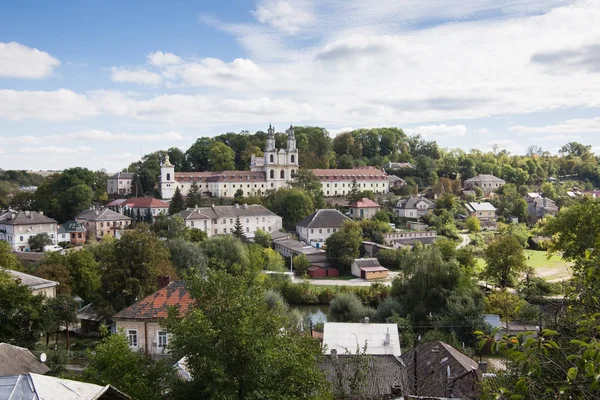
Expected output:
{"points": [[387, 308], [347, 307], [528, 313]]}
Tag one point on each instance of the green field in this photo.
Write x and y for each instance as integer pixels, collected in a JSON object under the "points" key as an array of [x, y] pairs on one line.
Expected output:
{"points": [[553, 269]]}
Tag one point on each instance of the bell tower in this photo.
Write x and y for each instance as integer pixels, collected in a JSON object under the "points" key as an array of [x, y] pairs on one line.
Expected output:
{"points": [[167, 179]]}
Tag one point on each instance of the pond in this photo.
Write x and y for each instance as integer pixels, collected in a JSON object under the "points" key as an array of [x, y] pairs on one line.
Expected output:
{"points": [[313, 313]]}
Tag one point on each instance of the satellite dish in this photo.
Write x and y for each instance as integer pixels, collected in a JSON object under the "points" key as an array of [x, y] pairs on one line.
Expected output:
{"points": [[43, 357]]}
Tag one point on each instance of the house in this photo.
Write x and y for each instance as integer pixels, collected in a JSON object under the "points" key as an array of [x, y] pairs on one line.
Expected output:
{"points": [[368, 268], [33, 386], [407, 238], [292, 248], [385, 376], [102, 222], [484, 211], [89, 319], [145, 208], [317, 227], [343, 337], [363, 209], [15, 360], [493, 320], [396, 182], [275, 169], [140, 322], [120, 183], [36, 284], [414, 207], [221, 220], [16, 227], [487, 183], [437, 369], [72, 232], [540, 207]]}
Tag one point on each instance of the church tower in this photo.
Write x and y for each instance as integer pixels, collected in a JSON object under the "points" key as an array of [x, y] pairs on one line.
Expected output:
{"points": [[292, 151], [167, 179]]}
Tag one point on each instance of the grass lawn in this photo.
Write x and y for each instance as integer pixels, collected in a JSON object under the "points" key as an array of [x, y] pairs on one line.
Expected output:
{"points": [[335, 278], [553, 269]]}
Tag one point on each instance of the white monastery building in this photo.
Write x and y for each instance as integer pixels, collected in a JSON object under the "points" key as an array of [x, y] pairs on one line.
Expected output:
{"points": [[276, 169]]}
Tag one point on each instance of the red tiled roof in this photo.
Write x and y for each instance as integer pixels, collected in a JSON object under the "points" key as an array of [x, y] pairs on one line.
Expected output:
{"points": [[146, 202], [364, 203], [364, 173], [222, 176], [157, 304]]}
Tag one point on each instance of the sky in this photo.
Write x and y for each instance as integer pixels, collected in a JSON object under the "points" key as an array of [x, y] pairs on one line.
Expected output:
{"points": [[99, 83]]}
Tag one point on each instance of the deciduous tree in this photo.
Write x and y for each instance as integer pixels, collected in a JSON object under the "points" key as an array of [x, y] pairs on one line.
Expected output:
{"points": [[505, 260]]}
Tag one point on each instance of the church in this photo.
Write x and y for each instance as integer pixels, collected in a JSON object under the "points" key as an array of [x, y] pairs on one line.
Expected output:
{"points": [[276, 169]]}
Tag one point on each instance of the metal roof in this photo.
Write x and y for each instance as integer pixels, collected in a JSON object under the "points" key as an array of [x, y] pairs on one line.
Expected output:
{"points": [[485, 206], [324, 218], [33, 282], [104, 214], [11, 217], [15, 360], [342, 336]]}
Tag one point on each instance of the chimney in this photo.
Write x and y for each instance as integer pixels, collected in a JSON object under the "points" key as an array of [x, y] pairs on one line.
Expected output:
{"points": [[163, 281], [245, 205], [366, 320], [237, 206], [41, 212], [97, 212], [387, 338], [334, 354]]}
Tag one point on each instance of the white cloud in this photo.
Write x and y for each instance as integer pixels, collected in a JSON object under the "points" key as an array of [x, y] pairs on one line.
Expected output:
{"points": [[571, 126], [53, 150], [161, 59], [58, 105], [439, 131], [137, 75], [283, 15], [96, 135], [482, 131], [19, 61]]}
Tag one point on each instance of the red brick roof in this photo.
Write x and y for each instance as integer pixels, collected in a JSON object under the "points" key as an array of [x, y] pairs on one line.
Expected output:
{"points": [[157, 304], [364, 203], [146, 202]]}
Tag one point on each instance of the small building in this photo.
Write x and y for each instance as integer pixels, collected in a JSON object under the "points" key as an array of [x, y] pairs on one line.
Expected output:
{"points": [[102, 222], [541, 207], [322, 271], [487, 183], [405, 238], [146, 208], [140, 322], [341, 182], [399, 165], [15, 360], [343, 337], [36, 284], [120, 183], [396, 182], [33, 386], [416, 226], [414, 207], [317, 227], [385, 376], [292, 248], [72, 232], [89, 320], [439, 370], [369, 268], [484, 211], [16, 227], [363, 209]]}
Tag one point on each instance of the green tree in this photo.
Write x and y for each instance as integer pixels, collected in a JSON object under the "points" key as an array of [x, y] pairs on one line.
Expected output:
{"points": [[237, 347], [473, 224], [306, 180], [37, 242], [112, 362], [63, 311], [238, 229], [8, 259], [505, 259], [85, 273], [186, 256], [227, 252], [192, 199], [300, 264], [198, 154], [347, 307], [274, 261], [343, 247], [221, 157], [177, 203], [292, 205], [22, 316], [263, 238]]}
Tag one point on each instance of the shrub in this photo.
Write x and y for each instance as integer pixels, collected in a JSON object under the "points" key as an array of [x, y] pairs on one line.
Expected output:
{"points": [[347, 307]]}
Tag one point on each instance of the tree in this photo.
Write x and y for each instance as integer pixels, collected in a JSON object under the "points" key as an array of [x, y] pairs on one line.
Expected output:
{"points": [[263, 238], [85, 274], [221, 157], [274, 261], [56, 271], [112, 362], [237, 347], [63, 310], [177, 203], [300, 264], [549, 191], [505, 259], [7, 259], [192, 199], [343, 247], [238, 229], [473, 224], [347, 307], [198, 154], [227, 252], [22, 316], [291, 204], [37, 242], [187, 256]]}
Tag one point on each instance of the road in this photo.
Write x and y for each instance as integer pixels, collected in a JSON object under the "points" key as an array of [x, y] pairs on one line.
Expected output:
{"points": [[465, 240], [349, 282]]}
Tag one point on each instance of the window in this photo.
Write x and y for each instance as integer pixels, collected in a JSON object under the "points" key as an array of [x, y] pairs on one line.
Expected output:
{"points": [[216, 232], [282, 174], [272, 173], [21, 239], [192, 224], [320, 230], [247, 229], [168, 177], [79, 235], [271, 158], [247, 220], [293, 158], [224, 221], [132, 337], [163, 339], [263, 219], [224, 230], [269, 229], [312, 231], [231, 220], [230, 230]]}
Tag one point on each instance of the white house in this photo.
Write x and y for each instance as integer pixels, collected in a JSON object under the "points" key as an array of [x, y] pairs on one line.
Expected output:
{"points": [[487, 183], [414, 207], [381, 339], [120, 183], [317, 227], [220, 220], [16, 227]]}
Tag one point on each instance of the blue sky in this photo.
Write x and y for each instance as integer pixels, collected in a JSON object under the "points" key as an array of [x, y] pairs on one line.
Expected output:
{"points": [[98, 83]]}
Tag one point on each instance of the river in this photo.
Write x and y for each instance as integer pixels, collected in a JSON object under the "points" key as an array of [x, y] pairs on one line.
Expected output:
{"points": [[315, 313]]}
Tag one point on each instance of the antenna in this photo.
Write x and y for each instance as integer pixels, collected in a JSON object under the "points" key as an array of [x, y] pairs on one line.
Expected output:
{"points": [[43, 357]]}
